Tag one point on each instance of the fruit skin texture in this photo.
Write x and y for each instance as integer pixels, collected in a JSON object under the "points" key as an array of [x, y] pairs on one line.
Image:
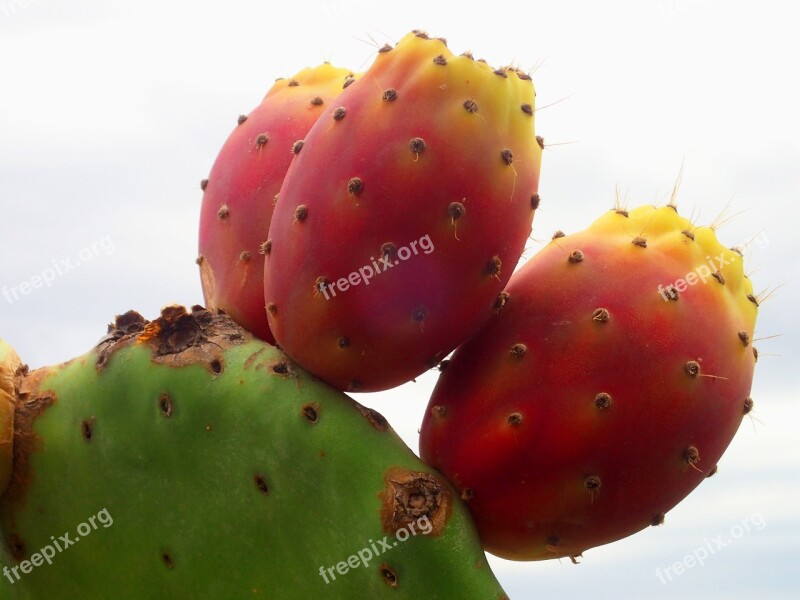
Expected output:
{"points": [[568, 427], [419, 183], [228, 473], [239, 193]]}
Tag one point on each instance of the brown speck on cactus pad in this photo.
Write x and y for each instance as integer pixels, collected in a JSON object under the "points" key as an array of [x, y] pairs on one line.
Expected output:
{"points": [[639, 241], [223, 213], [657, 520], [527, 109], [16, 546], [535, 201], [339, 113], [376, 419], [165, 405], [390, 95], [470, 106], [261, 140], [87, 428], [241, 119], [297, 146], [265, 248], [317, 101], [601, 315], [310, 412], [440, 60], [507, 156], [261, 484], [280, 368], [389, 575]]}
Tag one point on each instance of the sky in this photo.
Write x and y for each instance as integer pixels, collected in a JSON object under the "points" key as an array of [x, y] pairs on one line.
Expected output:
{"points": [[112, 112]]}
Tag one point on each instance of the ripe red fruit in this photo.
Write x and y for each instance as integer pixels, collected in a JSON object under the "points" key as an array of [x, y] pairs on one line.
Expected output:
{"points": [[603, 392]]}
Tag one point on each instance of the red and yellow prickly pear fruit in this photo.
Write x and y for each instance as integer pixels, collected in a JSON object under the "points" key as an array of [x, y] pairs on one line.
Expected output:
{"points": [[403, 217], [604, 391], [239, 194], [194, 461]]}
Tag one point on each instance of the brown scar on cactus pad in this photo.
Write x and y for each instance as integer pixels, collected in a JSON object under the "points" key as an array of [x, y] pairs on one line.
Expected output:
{"points": [[376, 419], [410, 495], [176, 338]]}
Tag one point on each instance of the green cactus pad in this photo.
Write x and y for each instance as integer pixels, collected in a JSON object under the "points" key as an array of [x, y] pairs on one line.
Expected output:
{"points": [[185, 459]]}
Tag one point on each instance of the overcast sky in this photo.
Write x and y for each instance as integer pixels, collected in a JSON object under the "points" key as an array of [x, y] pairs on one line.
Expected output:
{"points": [[112, 112]]}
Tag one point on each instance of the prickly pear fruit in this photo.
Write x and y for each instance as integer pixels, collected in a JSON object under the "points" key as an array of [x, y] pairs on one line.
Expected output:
{"points": [[239, 193], [403, 217], [193, 461], [604, 391]]}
